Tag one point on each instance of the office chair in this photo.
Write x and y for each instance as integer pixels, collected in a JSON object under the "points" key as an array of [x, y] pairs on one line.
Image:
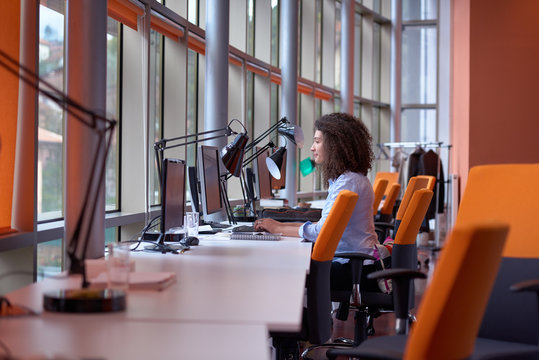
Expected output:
{"points": [[379, 189], [453, 303], [386, 212], [316, 324], [508, 193], [391, 177], [367, 299], [383, 228]]}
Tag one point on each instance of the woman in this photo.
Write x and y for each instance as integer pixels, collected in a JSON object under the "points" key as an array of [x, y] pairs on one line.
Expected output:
{"points": [[342, 147]]}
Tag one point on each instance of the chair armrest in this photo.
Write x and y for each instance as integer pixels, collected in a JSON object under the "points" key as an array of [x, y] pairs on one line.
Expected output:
{"points": [[354, 255], [526, 285], [397, 273]]}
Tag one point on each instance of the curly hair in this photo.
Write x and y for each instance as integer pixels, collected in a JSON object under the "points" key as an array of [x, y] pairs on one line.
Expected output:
{"points": [[347, 145]]}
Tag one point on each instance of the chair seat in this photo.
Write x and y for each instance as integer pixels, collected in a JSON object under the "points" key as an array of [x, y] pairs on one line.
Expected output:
{"points": [[503, 350]]}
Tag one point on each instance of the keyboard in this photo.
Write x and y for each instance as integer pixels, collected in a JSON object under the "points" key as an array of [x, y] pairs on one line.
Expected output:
{"points": [[244, 228]]}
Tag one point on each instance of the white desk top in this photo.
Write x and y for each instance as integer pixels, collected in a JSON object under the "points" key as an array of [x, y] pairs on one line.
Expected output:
{"points": [[220, 281], [69, 336], [228, 293]]}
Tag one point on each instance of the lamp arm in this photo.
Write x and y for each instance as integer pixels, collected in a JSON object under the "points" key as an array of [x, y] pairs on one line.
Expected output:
{"points": [[261, 137]]}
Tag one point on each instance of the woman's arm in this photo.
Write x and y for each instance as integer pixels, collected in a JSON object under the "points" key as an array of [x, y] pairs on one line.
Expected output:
{"points": [[277, 227]]}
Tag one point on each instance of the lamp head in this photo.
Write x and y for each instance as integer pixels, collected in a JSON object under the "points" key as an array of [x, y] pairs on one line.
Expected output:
{"points": [[232, 154], [294, 133], [275, 162]]}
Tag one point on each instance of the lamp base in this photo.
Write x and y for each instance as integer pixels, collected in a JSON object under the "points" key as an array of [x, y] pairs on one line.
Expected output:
{"points": [[84, 301]]}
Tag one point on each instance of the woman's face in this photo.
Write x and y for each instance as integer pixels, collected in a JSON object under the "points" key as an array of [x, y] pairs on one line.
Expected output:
{"points": [[318, 148]]}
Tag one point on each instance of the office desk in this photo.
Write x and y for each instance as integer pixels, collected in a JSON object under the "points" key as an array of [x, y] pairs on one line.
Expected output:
{"points": [[236, 283], [70, 337]]}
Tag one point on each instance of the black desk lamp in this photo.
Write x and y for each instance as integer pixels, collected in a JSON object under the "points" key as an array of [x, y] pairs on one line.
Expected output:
{"points": [[231, 154], [291, 132], [76, 300]]}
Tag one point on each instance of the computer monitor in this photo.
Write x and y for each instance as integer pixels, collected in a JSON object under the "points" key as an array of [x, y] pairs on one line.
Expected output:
{"points": [[209, 176], [193, 188], [277, 184], [263, 177], [172, 194]]}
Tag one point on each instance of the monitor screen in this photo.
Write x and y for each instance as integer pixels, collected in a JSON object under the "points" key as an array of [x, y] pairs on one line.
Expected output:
{"points": [[280, 183], [172, 194], [210, 190], [263, 177]]}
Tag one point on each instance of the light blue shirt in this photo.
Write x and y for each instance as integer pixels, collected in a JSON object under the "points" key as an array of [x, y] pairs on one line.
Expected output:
{"points": [[359, 235]]}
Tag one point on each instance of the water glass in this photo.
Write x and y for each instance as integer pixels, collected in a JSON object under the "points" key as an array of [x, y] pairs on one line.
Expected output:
{"points": [[191, 223], [118, 267]]}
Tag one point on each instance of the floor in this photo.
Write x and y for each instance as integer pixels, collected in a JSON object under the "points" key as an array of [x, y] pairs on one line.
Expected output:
{"points": [[384, 324]]}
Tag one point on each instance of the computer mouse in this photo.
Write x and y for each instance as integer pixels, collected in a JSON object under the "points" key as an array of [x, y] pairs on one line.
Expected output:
{"points": [[190, 240]]}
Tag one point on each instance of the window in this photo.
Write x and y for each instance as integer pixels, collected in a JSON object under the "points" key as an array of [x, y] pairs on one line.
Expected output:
{"points": [[51, 117], [419, 71]]}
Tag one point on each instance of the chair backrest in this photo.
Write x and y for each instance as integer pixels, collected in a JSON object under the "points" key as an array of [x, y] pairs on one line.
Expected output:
{"points": [[379, 189], [450, 312], [415, 183], [431, 181], [391, 198], [508, 193], [413, 217], [318, 281], [392, 177], [334, 225]]}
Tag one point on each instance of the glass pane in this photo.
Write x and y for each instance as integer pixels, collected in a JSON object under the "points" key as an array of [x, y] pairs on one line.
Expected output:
{"points": [[113, 111], [49, 258], [275, 32], [250, 28], [111, 235], [419, 10], [50, 123], [337, 46], [419, 59], [376, 60], [418, 125], [192, 8], [156, 107]]}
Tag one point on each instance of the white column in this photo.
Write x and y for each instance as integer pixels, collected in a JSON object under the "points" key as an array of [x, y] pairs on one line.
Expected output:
{"points": [[396, 71], [216, 86], [289, 87], [86, 66]]}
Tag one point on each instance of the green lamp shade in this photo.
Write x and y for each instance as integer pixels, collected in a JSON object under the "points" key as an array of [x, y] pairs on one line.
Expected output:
{"points": [[306, 166]]}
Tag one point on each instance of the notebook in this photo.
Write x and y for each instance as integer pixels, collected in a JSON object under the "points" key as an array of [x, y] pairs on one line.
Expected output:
{"points": [[140, 280], [255, 236]]}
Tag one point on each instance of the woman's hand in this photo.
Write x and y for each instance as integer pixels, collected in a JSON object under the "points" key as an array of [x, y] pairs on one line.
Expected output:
{"points": [[268, 225]]}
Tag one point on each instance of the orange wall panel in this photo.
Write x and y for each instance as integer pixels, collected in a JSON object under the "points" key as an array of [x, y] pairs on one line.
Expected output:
{"points": [[9, 43]]}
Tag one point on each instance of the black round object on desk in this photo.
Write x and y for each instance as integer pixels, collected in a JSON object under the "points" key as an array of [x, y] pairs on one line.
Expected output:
{"points": [[84, 300]]}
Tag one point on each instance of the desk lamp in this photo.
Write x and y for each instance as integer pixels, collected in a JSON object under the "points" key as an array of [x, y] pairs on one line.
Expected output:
{"points": [[231, 154], [76, 300], [291, 132]]}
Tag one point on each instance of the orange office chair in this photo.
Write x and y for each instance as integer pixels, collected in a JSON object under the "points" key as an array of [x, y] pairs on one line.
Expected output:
{"points": [[391, 177], [415, 183], [451, 309], [367, 298], [386, 211], [508, 193], [379, 189], [316, 326]]}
